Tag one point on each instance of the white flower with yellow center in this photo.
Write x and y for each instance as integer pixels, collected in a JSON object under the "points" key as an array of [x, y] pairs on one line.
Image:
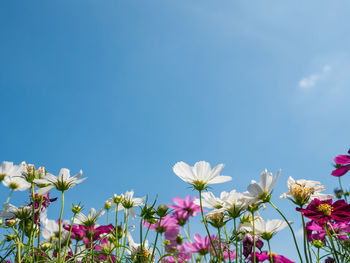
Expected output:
{"points": [[302, 191], [8, 169], [200, 175], [209, 200], [50, 230], [10, 211], [62, 182], [235, 204], [261, 192], [135, 252]]}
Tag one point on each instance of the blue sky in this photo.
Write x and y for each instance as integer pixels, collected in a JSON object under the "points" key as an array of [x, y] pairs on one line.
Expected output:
{"points": [[125, 89]]}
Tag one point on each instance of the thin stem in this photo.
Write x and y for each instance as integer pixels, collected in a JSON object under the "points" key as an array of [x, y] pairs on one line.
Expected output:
{"points": [[220, 245], [291, 229], [228, 246], [125, 231], [341, 187], [332, 243], [8, 198], [60, 231], [116, 232], [141, 245], [236, 237], [306, 243], [205, 223], [271, 258], [254, 255], [155, 241], [70, 232]]}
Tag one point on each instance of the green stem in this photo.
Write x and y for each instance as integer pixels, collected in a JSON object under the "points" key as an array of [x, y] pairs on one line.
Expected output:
{"points": [[8, 198], [291, 229], [307, 251], [271, 258], [254, 255], [318, 255], [60, 231], [155, 241], [341, 187], [220, 245], [141, 245], [116, 232], [332, 243], [125, 231], [205, 223], [70, 232], [228, 245], [236, 237]]}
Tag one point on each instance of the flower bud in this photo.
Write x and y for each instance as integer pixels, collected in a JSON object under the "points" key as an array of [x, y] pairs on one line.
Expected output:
{"points": [[10, 222], [162, 210], [76, 209], [318, 243], [46, 246], [10, 237], [108, 205]]}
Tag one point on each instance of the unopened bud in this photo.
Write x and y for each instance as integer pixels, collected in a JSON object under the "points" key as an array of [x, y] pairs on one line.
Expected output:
{"points": [[108, 205], [46, 246], [76, 209], [10, 222], [162, 210], [318, 243]]}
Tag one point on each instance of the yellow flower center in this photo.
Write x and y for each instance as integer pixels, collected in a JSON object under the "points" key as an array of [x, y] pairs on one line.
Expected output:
{"points": [[325, 209], [301, 191]]}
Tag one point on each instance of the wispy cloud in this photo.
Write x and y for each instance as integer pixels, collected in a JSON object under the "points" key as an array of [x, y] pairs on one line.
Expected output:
{"points": [[312, 80]]}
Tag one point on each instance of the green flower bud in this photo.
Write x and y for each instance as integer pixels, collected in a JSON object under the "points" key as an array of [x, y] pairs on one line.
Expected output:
{"points": [[162, 210]]}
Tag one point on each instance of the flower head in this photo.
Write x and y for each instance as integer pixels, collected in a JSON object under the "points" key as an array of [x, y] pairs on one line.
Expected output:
{"points": [[8, 169], [90, 219], [62, 182], [235, 203], [200, 175], [23, 212], [200, 245], [11, 176], [323, 211], [135, 252], [265, 229], [261, 192], [184, 209], [129, 202], [303, 191], [342, 165]]}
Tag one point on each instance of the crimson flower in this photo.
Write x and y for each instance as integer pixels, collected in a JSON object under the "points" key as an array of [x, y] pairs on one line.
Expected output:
{"points": [[322, 211], [342, 165]]}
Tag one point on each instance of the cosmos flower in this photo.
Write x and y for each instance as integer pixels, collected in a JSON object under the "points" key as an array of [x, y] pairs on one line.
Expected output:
{"points": [[209, 200], [167, 223], [261, 257], [23, 212], [248, 244], [184, 209], [316, 231], [323, 211], [180, 255], [90, 219], [50, 230], [342, 165], [129, 202], [134, 250], [201, 174], [265, 229], [16, 183], [62, 182], [303, 191], [200, 245], [261, 192], [234, 204], [8, 169]]}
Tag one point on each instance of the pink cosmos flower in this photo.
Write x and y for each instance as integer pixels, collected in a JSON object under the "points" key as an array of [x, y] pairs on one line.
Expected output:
{"points": [[322, 211], [261, 257], [88, 233], [167, 223], [342, 165], [180, 255], [184, 209], [316, 231], [172, 236], [248, 244], [201, 245]]}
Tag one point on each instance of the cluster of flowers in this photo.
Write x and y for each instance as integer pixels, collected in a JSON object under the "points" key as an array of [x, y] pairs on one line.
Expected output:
{"points": [[234, 229]]}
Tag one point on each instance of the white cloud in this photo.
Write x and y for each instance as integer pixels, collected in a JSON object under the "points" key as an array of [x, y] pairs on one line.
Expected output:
{"points": [[312, 80]]}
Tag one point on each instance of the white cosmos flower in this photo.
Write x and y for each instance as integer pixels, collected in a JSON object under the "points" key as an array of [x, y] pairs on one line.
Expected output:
{"points": [[265, 229], [90, 219], [129, 202], [209, 200], [8, 169], [50, 230], [16, 183], [135, 252], [302, 191], [235, 203], [10, 211], [201, 174], [62, 182], [261, 191]]}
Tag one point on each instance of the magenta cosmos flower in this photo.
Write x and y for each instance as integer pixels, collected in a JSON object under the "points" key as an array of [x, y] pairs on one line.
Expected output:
{"points": [[316, 231], [184, 209], [322, 211], [201, 245], [342, 165], [261, 257]]}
